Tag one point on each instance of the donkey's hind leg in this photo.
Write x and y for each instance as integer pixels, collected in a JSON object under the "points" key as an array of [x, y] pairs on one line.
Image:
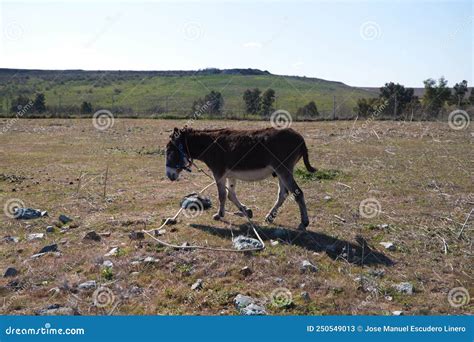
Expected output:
{"points": [[282, 194], [297, 193], [232, 196]]}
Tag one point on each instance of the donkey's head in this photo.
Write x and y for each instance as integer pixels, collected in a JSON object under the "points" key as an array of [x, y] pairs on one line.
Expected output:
{"points": [[177, 158]]}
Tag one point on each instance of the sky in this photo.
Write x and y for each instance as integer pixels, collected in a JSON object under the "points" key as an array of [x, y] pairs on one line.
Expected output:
{"points": [[360, 43]]}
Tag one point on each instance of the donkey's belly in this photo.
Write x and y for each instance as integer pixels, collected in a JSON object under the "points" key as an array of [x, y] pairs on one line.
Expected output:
{"points": [[250, 175]]}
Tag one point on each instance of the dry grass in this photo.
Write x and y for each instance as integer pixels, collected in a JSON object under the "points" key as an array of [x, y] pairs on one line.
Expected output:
{"points": [[421, 174]]}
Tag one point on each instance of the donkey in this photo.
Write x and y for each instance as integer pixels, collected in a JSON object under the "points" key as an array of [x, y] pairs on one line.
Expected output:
{"points": [[247, 155]]}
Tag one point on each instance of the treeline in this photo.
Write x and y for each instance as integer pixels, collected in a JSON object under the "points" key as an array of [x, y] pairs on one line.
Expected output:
{"points": [[397, 102]]}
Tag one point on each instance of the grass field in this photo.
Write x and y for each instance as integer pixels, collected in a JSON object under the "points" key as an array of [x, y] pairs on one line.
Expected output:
{"points": [[421, 175], [143, 93]]}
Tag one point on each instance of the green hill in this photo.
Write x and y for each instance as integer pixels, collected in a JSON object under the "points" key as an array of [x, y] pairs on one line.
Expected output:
{"points": [[146, 93]]}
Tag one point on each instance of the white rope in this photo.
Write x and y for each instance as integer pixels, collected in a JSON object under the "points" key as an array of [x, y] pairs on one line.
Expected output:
{"points": [[218, 249]]}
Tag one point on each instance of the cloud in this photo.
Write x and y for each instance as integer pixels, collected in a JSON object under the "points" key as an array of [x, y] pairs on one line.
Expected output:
{"points": [[253, 45]]}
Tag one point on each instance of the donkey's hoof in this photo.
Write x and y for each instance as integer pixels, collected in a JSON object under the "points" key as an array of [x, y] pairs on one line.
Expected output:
{"points": [[249, 212], [269, 218], [217, 217], [303, 226]]}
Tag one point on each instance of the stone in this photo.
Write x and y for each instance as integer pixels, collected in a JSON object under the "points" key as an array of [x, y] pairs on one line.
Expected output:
{"points": [[379, 273], [159, 232], [405, 287], [197, 285], [56, 310], [49, 229], [37, 255], [241, 301], [108, 263], [307, 266], [113, 252], [367, 284], [136, 235], [397, 313], [242, 242], [253, 310], [10, 272], [383, 226], [35, 236], [245, 271], [49, 248], [64, 219], [11, 239], [88, 285], [327, 198], [274, 242], [93, 236], [388, 245], [150, 260]]}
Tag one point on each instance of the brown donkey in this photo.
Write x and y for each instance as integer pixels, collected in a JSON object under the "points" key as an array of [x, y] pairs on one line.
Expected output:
{"points": [[247, 155]]}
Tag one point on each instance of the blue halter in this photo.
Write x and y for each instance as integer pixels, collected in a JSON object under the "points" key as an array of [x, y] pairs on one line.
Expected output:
{"points": [[184, 160]]}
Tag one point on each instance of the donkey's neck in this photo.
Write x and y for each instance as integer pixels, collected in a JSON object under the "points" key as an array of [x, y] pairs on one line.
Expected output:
{"points": [[197, 143]]}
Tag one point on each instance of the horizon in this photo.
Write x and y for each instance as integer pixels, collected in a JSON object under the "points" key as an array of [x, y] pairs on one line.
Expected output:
{"points": [[380, 41]]}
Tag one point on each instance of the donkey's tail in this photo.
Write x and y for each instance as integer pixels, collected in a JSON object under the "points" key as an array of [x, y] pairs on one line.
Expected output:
{"points": [[304, 151]]}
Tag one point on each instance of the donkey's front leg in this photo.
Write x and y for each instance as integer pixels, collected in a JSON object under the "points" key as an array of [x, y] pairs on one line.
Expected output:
{"points": [[222, 193]]}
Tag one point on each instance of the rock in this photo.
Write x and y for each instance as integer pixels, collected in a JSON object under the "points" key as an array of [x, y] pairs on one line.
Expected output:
{"points": [[56, 310], [28, 213], [404, 287], [397, 313], [274, 242], [307, 267], [105, 234], [49, 229], [88, 285], [245, 271], [327, 198], [113, 252], [253, 310], [64, 219], [241, 301], [11, 239], [185, 244], [195, 202], [197, 285], [136, 236], [243, 242], [93, 236], [35, 236], [383, 226], [388, 245], [305, 296], [49, 248], [150, 260], [108, 263], [367, 284], [10, 272]]}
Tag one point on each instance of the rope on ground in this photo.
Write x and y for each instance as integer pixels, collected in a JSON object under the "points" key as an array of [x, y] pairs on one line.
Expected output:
{"points": [[217, 249]]}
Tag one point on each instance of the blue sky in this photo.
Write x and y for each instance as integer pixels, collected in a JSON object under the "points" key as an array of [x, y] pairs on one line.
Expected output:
{"points": [[359, 43]]}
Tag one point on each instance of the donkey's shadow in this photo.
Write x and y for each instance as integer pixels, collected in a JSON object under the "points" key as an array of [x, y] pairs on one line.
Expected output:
{"points": [[337, 249]]}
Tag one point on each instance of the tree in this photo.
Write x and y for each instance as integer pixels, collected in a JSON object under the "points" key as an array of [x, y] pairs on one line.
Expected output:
{"points": [[86, 108], [252, 101], [471, 97], [366, 107], [436, 95], [20, 103], [396, 98], [268, 98], [308, 110], [39, 105], [459, 91], [214, 102]]}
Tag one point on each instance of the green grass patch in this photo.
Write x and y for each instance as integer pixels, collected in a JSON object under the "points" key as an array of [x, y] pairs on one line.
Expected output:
{"points": [[318, 175]]}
